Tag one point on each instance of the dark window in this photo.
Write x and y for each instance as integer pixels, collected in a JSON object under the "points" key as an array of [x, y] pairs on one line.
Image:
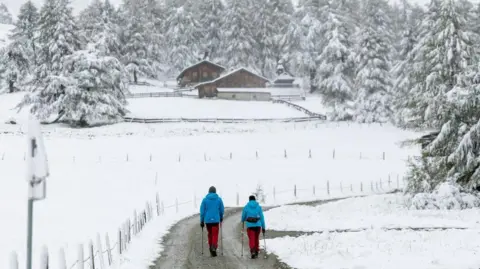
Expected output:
{"points": [[234, 96]]}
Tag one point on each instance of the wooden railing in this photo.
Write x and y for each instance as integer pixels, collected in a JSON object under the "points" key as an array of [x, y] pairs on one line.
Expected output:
{"points": [[220, 120], [301, 109]]}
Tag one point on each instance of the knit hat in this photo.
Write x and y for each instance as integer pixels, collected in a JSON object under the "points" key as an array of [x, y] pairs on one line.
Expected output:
{"points": [[251, 198], [212, 190]]}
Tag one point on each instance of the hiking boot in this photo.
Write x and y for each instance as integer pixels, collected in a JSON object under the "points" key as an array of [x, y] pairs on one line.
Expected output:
{"points": [[253, 254]]}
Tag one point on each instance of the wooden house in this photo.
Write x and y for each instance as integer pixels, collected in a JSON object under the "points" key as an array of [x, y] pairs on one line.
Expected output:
{"points": [[238, 78], [284, 80], [199, 72]]}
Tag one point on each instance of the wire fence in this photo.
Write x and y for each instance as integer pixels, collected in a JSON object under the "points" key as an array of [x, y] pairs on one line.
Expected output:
{"points": [[334, 154], [108, 255]]}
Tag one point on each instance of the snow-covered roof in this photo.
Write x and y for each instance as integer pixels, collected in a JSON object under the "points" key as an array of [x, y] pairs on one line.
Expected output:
{"points": [[198, 63], [285, 76], [230, 73]]}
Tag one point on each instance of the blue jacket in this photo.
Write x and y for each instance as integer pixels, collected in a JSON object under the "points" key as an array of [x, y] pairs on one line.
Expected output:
{"points": [[253, 209], [211, 209]]}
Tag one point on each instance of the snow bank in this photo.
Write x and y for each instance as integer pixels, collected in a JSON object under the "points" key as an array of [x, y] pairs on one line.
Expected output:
{"points": [[171, 107], [447, 196], [378, 211], [382, 250]]}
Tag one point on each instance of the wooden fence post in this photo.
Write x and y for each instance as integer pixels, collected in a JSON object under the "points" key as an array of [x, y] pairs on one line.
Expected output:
{"points": [[361, 186], [44, 258], [285, 153], [360, 155], [238, 199], [92, 255], [151, 157], [135, 222], [109, 250], [100, 252], [295, 190], [389, 181], [179, 157], [313, 190], [328, 187], [13, 260], [157, 197], [205, 156], [62, 261], [256, 154], [231, 155], [341, 187], [120, 243], [371, 185], [127, 157], [176, 204], [334, 154], [351, 187], [310, 153], [384, 155]]}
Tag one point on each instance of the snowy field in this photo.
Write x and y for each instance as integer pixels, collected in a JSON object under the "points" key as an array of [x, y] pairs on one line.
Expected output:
{"points": [[379, 211], [369, 243], [203, 108], [381, 250], [99, 176]]}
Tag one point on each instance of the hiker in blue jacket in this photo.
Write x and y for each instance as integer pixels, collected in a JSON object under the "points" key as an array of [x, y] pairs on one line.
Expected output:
{"points": [[253, 215], [211, 213]]}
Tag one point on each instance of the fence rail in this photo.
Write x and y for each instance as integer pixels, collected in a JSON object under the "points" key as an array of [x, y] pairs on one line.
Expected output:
{"points": [[300, 108], [222, 120], [101, 256], [155, 94]]}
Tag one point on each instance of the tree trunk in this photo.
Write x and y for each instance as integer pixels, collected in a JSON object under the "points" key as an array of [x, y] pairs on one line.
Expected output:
{"points": [[135, 78], [11, 86]]}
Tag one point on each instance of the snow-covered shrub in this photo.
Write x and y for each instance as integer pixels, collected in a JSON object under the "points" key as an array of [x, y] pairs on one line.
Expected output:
{"points": [[447, 196]]}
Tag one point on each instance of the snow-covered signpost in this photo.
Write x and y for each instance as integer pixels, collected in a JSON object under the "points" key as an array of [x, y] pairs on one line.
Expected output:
{"points": [[37, 172]]}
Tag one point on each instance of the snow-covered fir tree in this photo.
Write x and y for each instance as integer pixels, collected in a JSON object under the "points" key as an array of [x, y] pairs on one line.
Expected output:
{"points": [[16, 67], [335, 69], [136, 40], [182, 49], [373, 80], [443, 53], [89, 91], [239, 44], [58, 37], [208, 14], [90, 20], [5, 15], [23, 46]]}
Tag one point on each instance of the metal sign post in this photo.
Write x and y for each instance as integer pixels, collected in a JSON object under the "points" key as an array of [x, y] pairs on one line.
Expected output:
{"points": [[37, 172]]}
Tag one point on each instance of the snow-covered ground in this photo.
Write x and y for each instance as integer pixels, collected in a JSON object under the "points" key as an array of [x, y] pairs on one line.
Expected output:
{"points": [[99, 176], [368, 243], [170, 107], [379, 211], [381, 250]]}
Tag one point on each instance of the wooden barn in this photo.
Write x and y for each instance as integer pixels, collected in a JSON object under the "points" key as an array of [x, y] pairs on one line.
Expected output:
{"points": [[239, 78], [199, 72]]}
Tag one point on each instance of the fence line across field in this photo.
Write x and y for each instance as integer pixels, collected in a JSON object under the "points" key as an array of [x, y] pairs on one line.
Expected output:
{"points": [[255, 155], [101, 256]]}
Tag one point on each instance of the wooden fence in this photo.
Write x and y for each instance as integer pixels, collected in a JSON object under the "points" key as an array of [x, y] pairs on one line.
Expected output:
{"points": [[222, 120], [108, 255], [154, 94], [300, 108]]}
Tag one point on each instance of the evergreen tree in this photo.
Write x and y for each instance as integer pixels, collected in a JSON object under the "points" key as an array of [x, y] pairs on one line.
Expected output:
{"points": [[5, 15], [16, 67], [89, 91], [336, 65], [23, 36], [58, 36], [208, 14], [238, 40], [373, 80], [91, 19], [137, 40], [445, 50], [183, 49]]}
